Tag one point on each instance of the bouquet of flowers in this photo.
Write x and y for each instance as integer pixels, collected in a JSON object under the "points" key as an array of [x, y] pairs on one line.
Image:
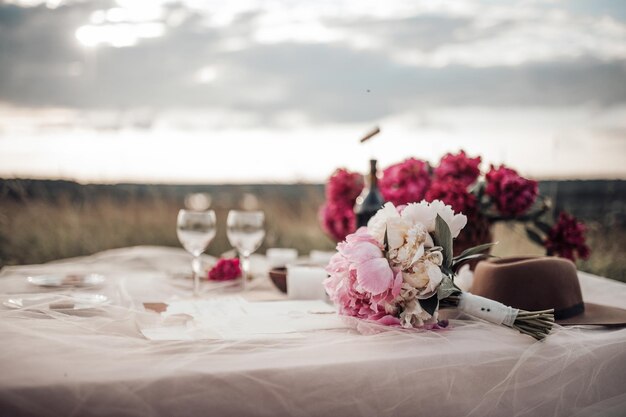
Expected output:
{"points": [[399, 270], [499, 194]]}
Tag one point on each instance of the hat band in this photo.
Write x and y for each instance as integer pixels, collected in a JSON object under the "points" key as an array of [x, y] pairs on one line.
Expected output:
{"points": [[569, 312]]}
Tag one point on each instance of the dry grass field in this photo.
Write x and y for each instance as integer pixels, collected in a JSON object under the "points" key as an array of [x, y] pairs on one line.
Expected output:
{"points": [[39, 226], [35, 230]]}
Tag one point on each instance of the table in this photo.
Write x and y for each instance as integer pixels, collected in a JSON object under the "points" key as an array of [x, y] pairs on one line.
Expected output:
{"points": [[61, 365]]}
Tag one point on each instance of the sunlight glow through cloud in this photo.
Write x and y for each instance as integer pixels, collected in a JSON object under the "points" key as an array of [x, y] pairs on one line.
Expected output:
{"points": [[123, 26], [118, 35]]}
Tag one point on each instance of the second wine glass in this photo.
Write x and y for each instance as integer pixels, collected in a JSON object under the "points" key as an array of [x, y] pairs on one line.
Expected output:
{"points": [[245, 231]]}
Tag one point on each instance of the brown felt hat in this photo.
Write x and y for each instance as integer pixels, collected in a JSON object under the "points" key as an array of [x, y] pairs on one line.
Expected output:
{"points": [[541, 283]]}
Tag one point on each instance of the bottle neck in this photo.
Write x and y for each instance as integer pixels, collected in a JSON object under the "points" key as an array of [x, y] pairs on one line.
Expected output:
{"points": [[373, 178]]}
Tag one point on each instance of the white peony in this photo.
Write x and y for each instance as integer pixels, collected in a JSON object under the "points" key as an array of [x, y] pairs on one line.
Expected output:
{"points": [[425, 276], [420, 213], [426, 213], [435, 257], [407, 292], [388, 218], [414, 315], [455, 222], [417, 240], [417, 280], [404, 256]]}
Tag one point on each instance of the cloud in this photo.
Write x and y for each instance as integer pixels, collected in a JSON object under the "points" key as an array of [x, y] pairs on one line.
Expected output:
{"points": [[358, 65]]}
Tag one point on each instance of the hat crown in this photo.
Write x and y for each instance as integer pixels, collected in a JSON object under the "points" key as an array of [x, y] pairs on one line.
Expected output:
{"points": [[531, 283]]}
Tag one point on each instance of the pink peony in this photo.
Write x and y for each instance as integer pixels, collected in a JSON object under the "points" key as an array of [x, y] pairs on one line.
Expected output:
{"points": [[361, 282], [337, 220], [567, 238], [455, 194], [405, 182], [458, 167], [344, 187], [225, 269], [513, 195]]}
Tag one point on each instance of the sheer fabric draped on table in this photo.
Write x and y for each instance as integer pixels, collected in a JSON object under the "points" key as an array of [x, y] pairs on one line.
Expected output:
{"points": [[56, 364]]}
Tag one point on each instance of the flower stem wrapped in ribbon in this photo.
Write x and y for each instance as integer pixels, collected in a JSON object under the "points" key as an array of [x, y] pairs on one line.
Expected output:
{"points": [[399, 270]]}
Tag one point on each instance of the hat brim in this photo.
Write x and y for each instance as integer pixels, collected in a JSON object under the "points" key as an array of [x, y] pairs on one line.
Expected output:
{"points": [[597, 315]]}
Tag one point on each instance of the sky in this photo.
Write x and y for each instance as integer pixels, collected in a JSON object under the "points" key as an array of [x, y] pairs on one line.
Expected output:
{"points": [[281, 91]]}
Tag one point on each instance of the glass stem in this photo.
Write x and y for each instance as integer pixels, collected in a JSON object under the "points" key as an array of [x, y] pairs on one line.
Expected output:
{"points": [[195, 268], [245, 270]]}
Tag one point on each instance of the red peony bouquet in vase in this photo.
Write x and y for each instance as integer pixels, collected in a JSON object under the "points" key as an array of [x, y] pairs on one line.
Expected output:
{"points": [[499, 194]]}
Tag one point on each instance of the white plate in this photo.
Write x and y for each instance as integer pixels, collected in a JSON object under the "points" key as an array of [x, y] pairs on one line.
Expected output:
{"points": [[67, 280], [58, 302]]}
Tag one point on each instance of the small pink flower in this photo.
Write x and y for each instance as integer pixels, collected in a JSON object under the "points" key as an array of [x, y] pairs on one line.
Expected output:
{"points": [[337, 220], [567, 238], [405, 182], [458, 167], [512, 194], [225, 270]]}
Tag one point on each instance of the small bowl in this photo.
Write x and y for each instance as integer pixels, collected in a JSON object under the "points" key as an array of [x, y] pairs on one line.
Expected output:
{"points": [[279, 278]]}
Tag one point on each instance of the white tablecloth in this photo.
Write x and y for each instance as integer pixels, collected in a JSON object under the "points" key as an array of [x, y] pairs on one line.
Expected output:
{"points": [[62, 365]]}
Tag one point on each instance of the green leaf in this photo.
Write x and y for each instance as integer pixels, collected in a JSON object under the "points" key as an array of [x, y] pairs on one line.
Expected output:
{"points": [[447, 271], [386, 244], [543, 226], [534, 236], [458, 263], [474, 256], [386, 240], [443, 238], [474, 250], [430, 304], [446, 288]]}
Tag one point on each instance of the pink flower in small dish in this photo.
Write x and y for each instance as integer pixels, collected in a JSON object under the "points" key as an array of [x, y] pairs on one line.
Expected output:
{"points": [[225, 270]]}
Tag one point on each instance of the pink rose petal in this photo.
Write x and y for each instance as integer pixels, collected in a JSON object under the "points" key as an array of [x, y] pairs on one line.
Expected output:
{"points": [[362, 252], [375, 275], [389, 320]]}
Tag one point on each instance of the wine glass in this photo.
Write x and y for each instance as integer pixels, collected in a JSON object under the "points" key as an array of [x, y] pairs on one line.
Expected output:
{"points": [[245, 233], [195, 230]]}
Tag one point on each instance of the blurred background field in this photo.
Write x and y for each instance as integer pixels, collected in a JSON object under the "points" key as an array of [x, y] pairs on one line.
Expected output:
{"points": [[43, 220]]}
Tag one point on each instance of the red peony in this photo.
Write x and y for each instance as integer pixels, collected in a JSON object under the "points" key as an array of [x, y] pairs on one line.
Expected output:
{"points": [[338, 220], [513, 195], [225, 269], [458, 167], [567, 238], [453, 193], [344, 187], [406, 182]]}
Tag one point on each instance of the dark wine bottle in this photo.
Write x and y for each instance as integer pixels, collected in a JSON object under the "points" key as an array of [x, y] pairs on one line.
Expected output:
{"points": [[370, 200]]}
